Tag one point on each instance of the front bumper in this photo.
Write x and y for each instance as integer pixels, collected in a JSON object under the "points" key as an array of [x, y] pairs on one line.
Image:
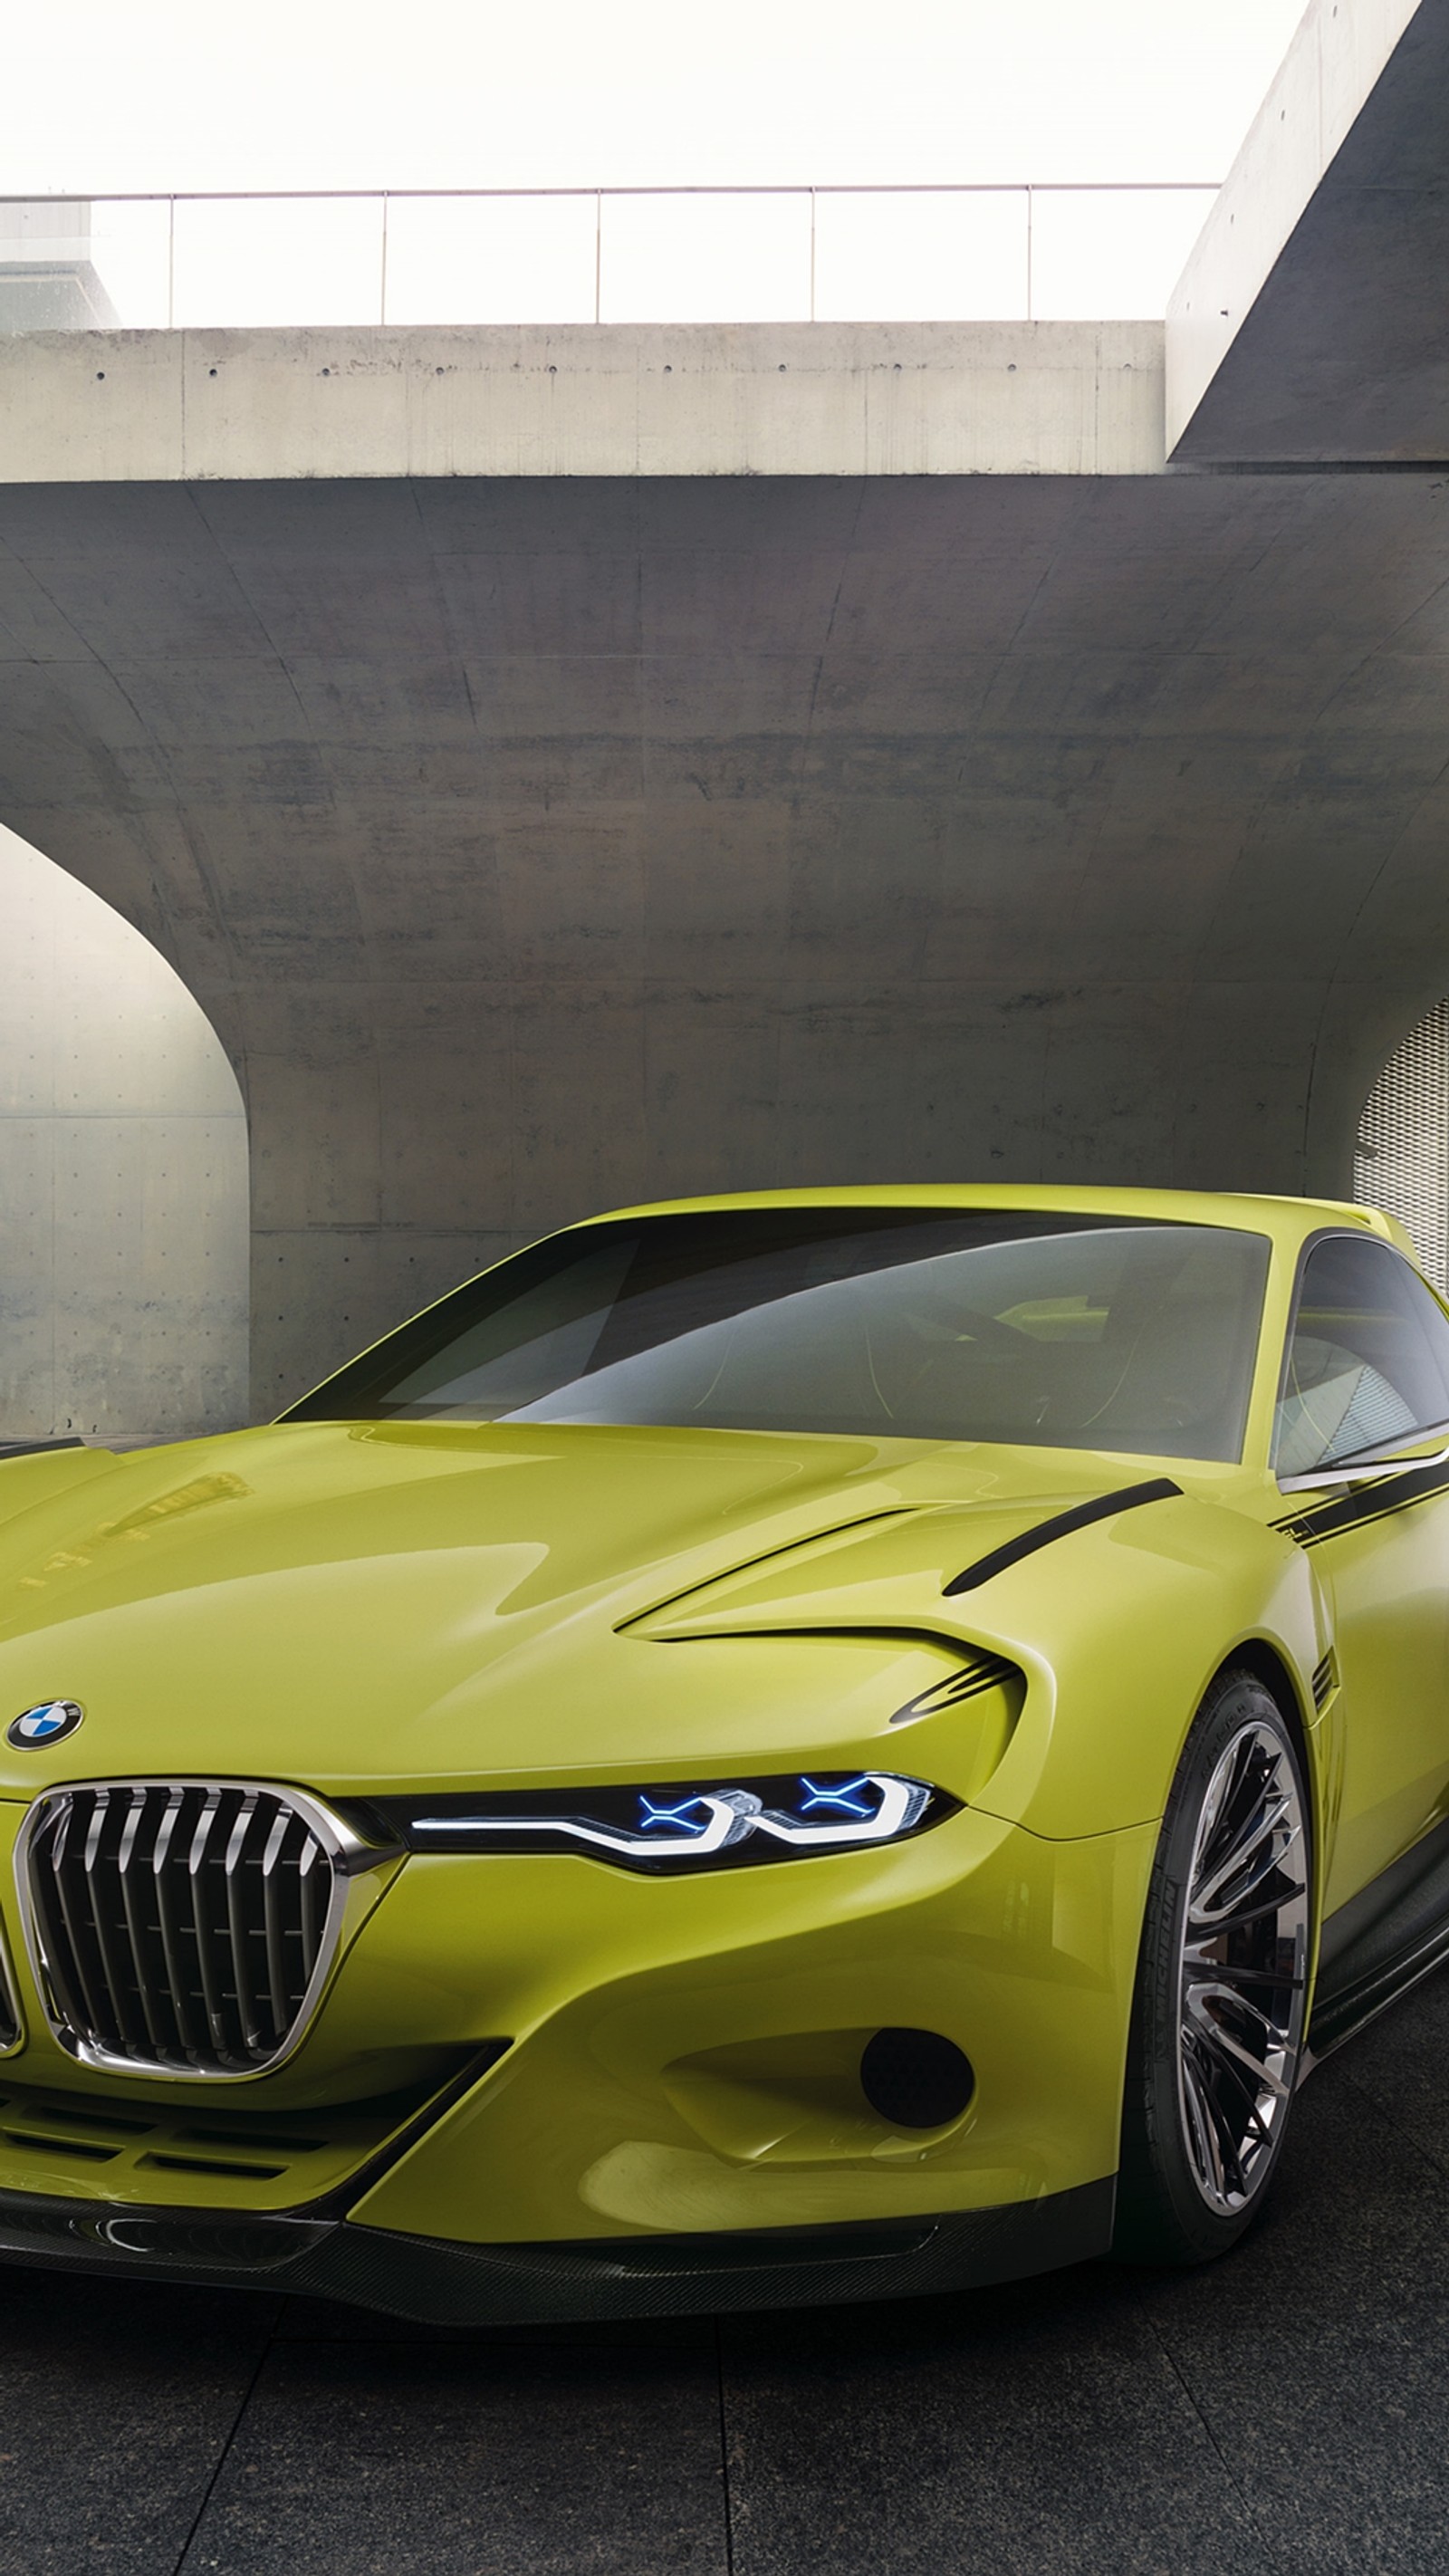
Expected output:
{"points": [[442, 2282], [683, 2067], [686, 2056]]}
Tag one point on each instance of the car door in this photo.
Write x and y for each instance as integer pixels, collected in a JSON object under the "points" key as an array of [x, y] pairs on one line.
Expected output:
{"points": [[1367, 1369]]}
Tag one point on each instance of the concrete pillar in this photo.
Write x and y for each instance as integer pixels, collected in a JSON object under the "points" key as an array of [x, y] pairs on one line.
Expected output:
{"points": [[123, 1178]]}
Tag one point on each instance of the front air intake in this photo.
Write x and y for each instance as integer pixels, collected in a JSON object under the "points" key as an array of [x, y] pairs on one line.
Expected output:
{"points": [[916, 2079], [182, 1927]]}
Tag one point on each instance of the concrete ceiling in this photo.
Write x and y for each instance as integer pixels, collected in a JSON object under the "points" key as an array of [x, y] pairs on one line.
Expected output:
{"points": [[537, 845]]}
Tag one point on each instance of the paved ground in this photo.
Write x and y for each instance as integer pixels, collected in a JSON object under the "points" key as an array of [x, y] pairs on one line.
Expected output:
{"points": [[1283, 2412]]}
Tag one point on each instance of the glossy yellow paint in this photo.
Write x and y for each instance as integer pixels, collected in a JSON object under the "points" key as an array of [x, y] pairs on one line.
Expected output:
{"points": [[362, 1609], [683, 2055]]}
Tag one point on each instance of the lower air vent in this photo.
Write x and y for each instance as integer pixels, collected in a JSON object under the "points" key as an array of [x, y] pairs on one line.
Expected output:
{"points": [[182, 1927], [161, 2152], [10, 2022]]}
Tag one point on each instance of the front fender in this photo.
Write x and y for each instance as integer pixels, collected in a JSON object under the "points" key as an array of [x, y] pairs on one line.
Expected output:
{"points": [[1119, 1630]]}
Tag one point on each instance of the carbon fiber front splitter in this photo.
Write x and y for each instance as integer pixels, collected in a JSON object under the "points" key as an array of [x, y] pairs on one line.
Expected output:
{"points": [[441, 2282]]}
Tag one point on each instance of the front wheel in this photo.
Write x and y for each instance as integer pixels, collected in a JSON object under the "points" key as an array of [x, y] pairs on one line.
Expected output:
{"points": [[1217, 2018]]}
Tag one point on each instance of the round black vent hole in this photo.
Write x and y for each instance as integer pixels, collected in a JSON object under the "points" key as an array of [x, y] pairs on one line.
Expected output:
{"points": [[915, 2078]]}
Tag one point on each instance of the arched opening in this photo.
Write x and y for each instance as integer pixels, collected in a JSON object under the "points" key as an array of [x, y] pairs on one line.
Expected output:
{"points": [[1401, 1161], [123, 1178]]}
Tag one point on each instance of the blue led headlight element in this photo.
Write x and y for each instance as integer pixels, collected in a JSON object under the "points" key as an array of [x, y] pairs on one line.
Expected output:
{"points": [[669, 1829], [879, 1806]]}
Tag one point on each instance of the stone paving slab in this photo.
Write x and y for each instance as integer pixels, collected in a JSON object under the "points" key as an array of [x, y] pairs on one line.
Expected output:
{"points": [[1319, 2358], [391, 2459], [117, 2399], [1025, 2430]]}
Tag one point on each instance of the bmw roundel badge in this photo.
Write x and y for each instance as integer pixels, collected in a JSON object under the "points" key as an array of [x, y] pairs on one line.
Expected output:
{"points": [[50, 1723]]}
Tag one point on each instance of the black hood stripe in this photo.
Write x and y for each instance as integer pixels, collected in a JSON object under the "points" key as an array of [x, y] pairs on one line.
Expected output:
{"points": [[1104, 1507]]}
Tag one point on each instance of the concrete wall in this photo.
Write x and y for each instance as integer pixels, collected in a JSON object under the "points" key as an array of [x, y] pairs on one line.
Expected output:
{"points": [[540, 845], [123, 1177]]}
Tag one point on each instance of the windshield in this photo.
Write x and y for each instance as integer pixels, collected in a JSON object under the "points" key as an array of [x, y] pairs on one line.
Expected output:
{"points": [[973, 1325]]}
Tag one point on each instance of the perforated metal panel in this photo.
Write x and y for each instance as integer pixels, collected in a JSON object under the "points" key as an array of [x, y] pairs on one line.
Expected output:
{"points": [[1402, 1161]]}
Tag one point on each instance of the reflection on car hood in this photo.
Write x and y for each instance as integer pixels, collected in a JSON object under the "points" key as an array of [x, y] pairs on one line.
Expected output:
{"points": [[369, 1605]]}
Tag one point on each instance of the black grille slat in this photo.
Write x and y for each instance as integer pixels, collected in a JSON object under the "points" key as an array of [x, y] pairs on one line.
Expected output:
{"points": [[69, 1876], [242, 1931], [134, 1901], [203, 1929], [45, 1897], [168, 1920], [108, 1916], [180, 1924], [274, 1917]]}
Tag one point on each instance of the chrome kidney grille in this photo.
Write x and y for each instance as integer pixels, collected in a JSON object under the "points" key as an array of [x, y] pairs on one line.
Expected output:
{"points": [[181, 1927]]}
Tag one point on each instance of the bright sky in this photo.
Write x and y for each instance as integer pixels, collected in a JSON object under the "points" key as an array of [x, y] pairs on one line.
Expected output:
{"points": [[176, 94]]}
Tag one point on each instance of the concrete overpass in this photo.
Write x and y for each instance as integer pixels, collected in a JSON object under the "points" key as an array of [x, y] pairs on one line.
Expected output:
{"points": [[573, 766]]}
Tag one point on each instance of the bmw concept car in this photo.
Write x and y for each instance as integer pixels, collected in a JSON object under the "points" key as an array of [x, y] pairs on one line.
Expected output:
{"points": [[768, 1749]]}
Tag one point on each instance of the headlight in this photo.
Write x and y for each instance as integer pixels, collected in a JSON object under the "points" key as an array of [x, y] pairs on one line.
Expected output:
{"points": [[694, 1826]]}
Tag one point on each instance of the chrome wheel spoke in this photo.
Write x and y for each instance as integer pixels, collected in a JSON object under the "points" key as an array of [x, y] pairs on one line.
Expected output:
{"points": [[1252, 1915], [1242, 1968], [1220, 2043], [1219, 2123], [1202, 2131], [1233, 2097], [1253, 1838], [1215, 1928], [1232, 1974], [1245, 1874]]}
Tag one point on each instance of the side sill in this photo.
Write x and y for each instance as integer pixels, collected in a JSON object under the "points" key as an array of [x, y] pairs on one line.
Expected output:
{"points": [[1379, 1945]]}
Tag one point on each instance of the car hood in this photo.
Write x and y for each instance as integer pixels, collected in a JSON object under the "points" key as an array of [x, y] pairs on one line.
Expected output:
{"points": [[368, 1606]]}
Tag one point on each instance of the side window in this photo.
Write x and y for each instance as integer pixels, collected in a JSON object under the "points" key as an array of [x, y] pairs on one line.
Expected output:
{"points": [[1368, 1361]]}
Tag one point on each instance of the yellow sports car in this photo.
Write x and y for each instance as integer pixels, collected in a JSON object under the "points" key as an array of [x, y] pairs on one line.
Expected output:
{"points": [[769, 1749]]}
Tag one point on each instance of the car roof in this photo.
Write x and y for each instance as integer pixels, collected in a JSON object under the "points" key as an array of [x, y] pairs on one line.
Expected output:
{"points": [[1287, 1220]]}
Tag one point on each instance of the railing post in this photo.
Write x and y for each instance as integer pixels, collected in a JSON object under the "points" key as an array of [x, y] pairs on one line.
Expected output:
{"points": [[170, 263], [598, 254], [382, 295], [812, 254], [1028, 254]]}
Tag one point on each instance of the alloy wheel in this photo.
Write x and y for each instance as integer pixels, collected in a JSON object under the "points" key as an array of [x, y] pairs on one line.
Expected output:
{"points": [[1243, 1969]]}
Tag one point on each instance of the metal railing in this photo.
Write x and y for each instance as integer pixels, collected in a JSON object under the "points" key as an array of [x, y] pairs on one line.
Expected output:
{"points": [[596, 255]]}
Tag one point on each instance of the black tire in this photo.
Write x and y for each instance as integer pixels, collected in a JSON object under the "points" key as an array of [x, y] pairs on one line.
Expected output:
{"points": [[1218, 2011]]}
